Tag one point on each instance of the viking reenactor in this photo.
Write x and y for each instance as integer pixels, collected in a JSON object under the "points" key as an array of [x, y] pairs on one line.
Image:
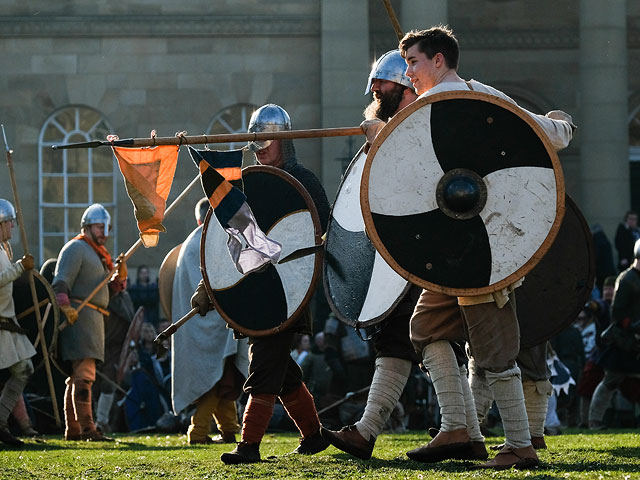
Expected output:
{"points": [[490, 320], [15, 348], [82, 264], [392, 91], [272, 371], [204, 345], [621, 358]]}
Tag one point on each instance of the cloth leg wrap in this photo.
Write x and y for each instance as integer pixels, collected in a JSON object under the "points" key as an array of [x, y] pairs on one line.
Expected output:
{"points": [[20, 414], [201, 420], [226, 416], [389, 379], [301, 409], [257, 415], [72, 427], [600, 402], [536, 400], [506, 387], [105, 401], [438, 357], [82, 378], [482, 396], [473, 425], [12, 391]]}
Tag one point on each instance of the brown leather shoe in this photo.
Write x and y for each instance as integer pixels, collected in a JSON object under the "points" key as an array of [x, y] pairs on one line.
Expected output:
{"points": [[225, 437], [201, 441], [538, 443], [478, 451], [508, 457], [444, 446], [349, 440], [7, 437], [73, 436]]}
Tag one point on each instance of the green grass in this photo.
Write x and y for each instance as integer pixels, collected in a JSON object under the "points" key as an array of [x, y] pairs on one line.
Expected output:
{"points": [[575, 454]]}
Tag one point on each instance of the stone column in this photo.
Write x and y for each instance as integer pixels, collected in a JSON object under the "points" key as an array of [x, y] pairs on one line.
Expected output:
{"points": [[421, 14], [603, 128], [345, 67]]}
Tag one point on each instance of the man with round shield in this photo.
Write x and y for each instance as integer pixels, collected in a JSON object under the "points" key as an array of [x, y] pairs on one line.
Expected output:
{"points": [[490, 320], [82, 264], [204, 345], [272, 371], [392, 91], [15, 348]]}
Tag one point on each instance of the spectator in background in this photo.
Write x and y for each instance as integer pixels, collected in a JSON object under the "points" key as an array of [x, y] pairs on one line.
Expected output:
{"points": [[302, 348], [626, 236], [569, 347], [603, 254], [315, 370], [145, 294]]}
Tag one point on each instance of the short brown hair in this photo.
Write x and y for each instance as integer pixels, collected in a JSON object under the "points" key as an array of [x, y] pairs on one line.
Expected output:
{"points": [[438, 39]]}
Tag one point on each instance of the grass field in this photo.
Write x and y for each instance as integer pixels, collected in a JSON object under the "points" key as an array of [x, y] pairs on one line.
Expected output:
{"points": [[575, 454]]}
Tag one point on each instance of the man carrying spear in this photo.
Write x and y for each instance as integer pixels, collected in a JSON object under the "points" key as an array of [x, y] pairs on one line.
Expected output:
{"points": [[15, 348], [82, 265]]}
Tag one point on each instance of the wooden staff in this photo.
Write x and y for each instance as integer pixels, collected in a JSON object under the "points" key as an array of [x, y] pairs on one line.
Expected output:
{"points": [[222, 138], [161, 350], [394, 19], [32, 285], [130, 252]]}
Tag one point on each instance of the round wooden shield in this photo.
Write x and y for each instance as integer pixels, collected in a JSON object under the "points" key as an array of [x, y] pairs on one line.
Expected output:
{"points": [[268, 300], [556, 289], [165, 279], [360, 286], [25, 313], [462, 193]]}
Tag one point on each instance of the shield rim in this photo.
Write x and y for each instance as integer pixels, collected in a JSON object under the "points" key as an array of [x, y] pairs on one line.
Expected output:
{"points": [[315, 218], [591, 275], [368, 218], [325, 280], [52, 346], [171, 256]]}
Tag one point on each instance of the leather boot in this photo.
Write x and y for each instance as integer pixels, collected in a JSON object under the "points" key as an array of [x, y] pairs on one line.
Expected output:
{"points": [[312, 444], [243, 453], [72, 430]]}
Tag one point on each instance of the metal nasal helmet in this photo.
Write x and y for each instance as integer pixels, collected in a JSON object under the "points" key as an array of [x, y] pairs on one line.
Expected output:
{"points": [[96, 213], [7, 212], [268, 118], [390, 66]]}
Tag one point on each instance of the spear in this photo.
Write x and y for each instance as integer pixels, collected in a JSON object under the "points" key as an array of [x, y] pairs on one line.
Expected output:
{"points": [[130, 252], [394, 19], [221, 138], [32, 285]]}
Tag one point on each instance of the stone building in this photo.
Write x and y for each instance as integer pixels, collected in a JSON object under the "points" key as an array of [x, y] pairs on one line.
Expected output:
{"points": [[75, 70]]}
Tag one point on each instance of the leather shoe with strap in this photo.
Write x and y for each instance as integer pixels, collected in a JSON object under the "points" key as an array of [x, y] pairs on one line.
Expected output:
{"points": [[444, 446], [349, 440], [478, 450], [508, 457]]}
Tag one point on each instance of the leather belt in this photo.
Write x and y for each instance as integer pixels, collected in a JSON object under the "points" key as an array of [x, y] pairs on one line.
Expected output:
{"points": [[8, 325]]}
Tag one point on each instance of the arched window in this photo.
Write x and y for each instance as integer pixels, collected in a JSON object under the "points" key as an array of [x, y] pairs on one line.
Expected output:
{"points": [[71, 180], [232, 119]]}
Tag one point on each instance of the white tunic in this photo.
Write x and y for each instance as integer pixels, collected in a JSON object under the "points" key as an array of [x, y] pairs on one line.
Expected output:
{"points": [[14, 346], [200, 346]]}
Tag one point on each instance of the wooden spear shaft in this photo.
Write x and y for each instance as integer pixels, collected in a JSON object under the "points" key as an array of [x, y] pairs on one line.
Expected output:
{"points": [[394, 19], [131, 250], [32, 285], [222, 138]]}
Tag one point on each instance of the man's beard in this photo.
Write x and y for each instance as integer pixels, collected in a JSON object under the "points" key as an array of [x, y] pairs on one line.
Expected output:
{"points": [[385, 105]]}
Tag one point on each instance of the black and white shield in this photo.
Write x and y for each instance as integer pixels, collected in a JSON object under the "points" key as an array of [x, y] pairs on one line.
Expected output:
{"points": [[462, 193], [268, 300], [362, 289], [556, 289]]}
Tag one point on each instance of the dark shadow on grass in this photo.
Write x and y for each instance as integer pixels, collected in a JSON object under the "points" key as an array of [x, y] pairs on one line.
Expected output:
{"points": [[407, 464]]}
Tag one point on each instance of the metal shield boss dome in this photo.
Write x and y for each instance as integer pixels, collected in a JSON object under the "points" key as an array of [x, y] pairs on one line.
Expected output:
{"points": [[268, 118], [96, 213], [390, 66]]}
